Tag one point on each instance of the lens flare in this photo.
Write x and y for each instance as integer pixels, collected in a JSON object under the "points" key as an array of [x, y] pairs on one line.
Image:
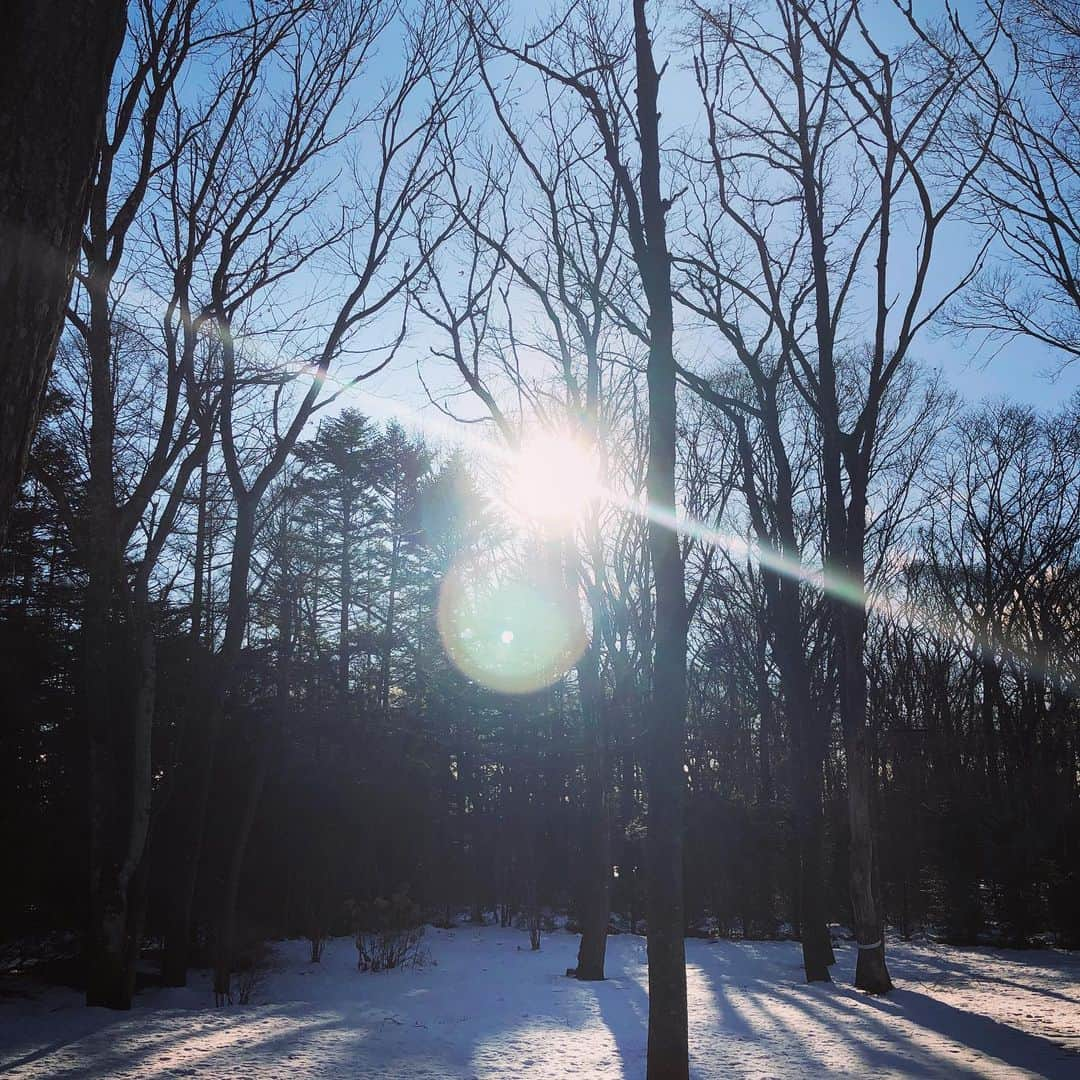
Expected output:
{"points": [[551, 479], [540, 475], [513, 632]]}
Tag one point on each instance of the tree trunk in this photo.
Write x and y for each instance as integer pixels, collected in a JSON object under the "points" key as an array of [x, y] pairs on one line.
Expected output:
{"points": [[183, 874], [816, 946], [809, 729], [225, 945], [195, 773], [846, 534], [120, 712], [387, 652], [871, 973], [345, 609], [55, 65], [225, 939], [807, 784], [110, 975], [596, 850], [668, 1053], [388, 627], [199, 563], [222, 667], [109, 949]]}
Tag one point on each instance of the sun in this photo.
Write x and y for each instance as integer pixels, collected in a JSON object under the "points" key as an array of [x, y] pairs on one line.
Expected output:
{"points": [[551, 479]]}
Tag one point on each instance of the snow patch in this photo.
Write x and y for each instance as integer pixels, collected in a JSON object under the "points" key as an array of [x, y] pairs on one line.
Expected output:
{"points": [[485, 1008]]}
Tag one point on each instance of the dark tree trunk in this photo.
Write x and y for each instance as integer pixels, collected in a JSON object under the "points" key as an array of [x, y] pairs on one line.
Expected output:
{"points": [[816, 945], [199, 562], [109, 947], [183, 866], [807, 781], [225, 945], [871, 973], [222, 668], [845, 516], [225, 933], [596, 876], [809, 729], [55, 64], [668, 1053], [191, 797], [120, 684]]}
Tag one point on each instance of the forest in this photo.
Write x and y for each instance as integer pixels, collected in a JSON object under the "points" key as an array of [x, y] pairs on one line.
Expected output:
{"points": [[469, 468]]}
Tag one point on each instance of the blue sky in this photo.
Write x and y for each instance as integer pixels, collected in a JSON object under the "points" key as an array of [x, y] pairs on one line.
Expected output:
{"points": [[1022, 370]]}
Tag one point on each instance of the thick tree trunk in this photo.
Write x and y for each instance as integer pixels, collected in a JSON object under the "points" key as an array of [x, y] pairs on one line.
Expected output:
{"points": [[110, 942], [667, 1048], [55, 64], [120, 725], [871, 973], [845, 515], [668, 1052], [193, 784], [807, 783], [816, 945]]}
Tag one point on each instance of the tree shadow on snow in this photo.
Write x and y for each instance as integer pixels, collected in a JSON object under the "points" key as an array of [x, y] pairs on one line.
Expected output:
{"points": [[758, 1008], [749, 1011]]}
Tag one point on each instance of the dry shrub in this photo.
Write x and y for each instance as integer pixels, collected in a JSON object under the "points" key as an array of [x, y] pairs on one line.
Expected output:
{"points": [[389, 933], [253, 965]]}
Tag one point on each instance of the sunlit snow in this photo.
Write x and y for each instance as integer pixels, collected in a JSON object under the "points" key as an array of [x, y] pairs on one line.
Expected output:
{"points": [[488, 1007]]}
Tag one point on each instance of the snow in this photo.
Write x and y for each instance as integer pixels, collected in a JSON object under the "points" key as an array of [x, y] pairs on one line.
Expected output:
{"points": [[488, 1007]]}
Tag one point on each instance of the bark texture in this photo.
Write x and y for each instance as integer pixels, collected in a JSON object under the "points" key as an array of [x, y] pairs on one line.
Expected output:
{"points": [[668, 1052], [56, 61]]}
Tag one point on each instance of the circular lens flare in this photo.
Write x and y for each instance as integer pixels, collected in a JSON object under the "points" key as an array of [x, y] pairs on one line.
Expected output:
{"points": [[511, 632]]}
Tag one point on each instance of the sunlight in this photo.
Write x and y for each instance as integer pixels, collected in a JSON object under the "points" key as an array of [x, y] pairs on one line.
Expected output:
{"points": [[553, 478], [550, 480]]}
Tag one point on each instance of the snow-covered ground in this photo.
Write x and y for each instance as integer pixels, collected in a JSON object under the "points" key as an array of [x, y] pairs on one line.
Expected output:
{"points": [[487, 1007]]}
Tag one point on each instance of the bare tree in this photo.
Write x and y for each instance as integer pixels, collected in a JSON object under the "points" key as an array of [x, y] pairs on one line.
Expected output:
{"points": [[777, 470], [540, 232], [204, 205], [135, 372], [385, 240], [1027, 195], [603, 62], [1002, 523], [817, 139]]}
